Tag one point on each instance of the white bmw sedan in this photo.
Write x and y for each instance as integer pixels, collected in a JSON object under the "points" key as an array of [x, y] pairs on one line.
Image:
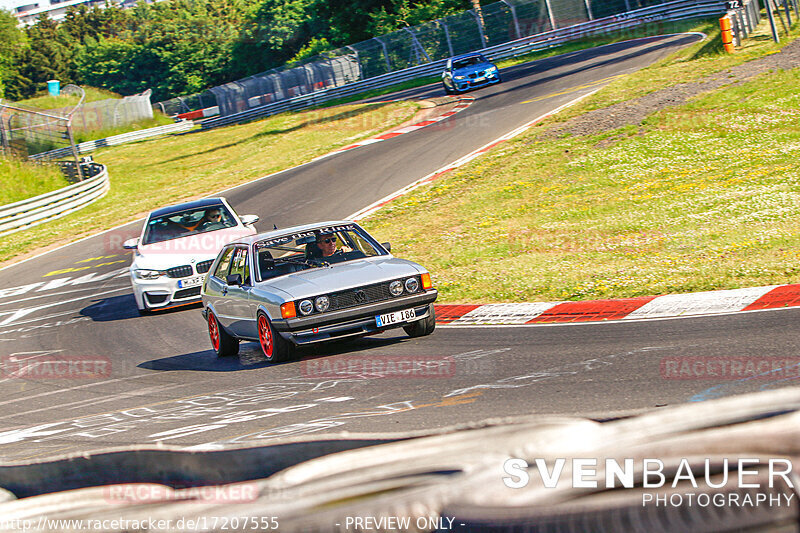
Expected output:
{"points": [[177, 246]]}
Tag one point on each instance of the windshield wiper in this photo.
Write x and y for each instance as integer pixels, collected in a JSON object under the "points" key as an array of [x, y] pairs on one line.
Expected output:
{"points": [[301, 262]]}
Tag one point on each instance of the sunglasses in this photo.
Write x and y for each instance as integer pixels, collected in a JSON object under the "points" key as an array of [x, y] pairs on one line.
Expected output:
{"points": [[328, 241]]}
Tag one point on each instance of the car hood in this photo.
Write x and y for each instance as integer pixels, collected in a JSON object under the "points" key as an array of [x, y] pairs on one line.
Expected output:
{"points": [[472, 68], [343, 276], [197, 247]]}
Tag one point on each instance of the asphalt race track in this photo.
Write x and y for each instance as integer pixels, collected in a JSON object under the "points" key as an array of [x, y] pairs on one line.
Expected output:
{"points": [[156, 379]]}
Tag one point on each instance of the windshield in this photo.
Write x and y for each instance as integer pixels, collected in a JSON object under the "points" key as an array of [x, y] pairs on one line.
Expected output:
{"points": [[468, 61], [316, 247], [188, 222]]}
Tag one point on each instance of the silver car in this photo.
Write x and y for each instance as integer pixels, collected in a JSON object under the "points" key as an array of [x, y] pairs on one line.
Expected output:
{"points": [[310, 284]]}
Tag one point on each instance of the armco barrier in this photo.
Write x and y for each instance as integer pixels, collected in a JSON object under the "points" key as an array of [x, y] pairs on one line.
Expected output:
{"points": [[90, 146], [669, 11], [56, 204]]}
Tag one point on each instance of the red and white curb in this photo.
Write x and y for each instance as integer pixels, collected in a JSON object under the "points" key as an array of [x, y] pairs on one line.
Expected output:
{"points": [[465, 103], [667, 306], [372, 208]]}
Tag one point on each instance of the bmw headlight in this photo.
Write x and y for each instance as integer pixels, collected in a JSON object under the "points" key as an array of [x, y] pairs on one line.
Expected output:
{"points": [[396, 288], [306, 307], [148, 274], [322, 303], [459, 77], [491, 70], [412, 284]]}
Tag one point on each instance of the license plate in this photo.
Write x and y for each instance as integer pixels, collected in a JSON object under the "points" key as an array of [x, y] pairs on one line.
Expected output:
{"points": [[190, 282], [394, 318], [482, 78]]}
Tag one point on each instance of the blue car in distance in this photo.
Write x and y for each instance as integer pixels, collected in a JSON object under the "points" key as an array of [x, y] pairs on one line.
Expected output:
{"points": [[468, 71]]}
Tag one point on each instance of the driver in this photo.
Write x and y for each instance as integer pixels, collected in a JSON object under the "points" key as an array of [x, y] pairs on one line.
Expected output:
{"points": [[211, 220], [325, 245]]}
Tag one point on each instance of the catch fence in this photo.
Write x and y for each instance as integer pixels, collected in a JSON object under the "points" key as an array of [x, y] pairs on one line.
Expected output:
{"points": [[498, 23]]}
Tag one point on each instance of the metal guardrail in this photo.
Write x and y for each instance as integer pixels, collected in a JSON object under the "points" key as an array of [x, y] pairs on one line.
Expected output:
{"points": [[745, 15], [56, 204], [676, 10], [90, 146]]}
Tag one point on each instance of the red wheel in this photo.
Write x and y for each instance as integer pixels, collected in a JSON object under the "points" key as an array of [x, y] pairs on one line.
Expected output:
{"points": [[223, 343], [273, 346], [265, 337], [213, 331]]}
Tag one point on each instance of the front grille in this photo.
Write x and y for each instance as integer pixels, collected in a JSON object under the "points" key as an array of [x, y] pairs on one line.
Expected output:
{"points": [[186, 293], [348, 298], [180, 271], [203, 266], [473, 75]]}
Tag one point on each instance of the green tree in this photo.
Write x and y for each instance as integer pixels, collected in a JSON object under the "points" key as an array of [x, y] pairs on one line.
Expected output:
{"points": [[12, 45]]}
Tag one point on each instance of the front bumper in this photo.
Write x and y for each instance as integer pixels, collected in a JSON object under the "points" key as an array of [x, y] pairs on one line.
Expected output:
{"points": [[352, 322], [469, 83], [163, 292]]}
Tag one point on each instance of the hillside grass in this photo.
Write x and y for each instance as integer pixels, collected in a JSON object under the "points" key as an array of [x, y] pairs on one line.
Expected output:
{"points": [[20, 180], [45, 100], [699, 197], [159, 172]]}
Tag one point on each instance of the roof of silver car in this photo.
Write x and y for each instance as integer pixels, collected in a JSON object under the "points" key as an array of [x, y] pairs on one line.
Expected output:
{"points": [[292, 229]]}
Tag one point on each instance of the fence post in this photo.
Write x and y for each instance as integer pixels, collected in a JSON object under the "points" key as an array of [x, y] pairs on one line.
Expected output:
{"points": [[74, 150], [514, 17], [788, 18], [358, 62], [385, 55], [447, 36], [589, 9], [772, 21], [3, 134], [553, 20], [480, 28], [417, 45]]}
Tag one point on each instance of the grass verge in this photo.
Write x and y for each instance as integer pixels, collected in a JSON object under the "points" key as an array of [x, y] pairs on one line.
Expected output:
{"points": [[20, 180], [698, 197], [48, 101], [157, 172]]}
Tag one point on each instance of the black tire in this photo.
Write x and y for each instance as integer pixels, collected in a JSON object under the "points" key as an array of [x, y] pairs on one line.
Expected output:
{"points": [[222, 342], [423, 327], [143, 312], [273, 346], [447, 90]]}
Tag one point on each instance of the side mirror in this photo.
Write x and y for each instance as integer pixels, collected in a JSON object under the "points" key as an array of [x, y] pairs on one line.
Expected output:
{"points": [[387, 245], [249, 220], [131, 244], [233, 280]]}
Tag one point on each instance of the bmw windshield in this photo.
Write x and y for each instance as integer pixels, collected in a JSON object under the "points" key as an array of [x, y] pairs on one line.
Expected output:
{"points": [[188, 222]]}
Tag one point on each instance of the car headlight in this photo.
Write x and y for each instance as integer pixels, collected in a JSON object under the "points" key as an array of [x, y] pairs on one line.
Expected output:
{"points": [[491, 69], [459, 77], [306, 307], [148, 274], [396, 288], [412, 284], [322, 303]]}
